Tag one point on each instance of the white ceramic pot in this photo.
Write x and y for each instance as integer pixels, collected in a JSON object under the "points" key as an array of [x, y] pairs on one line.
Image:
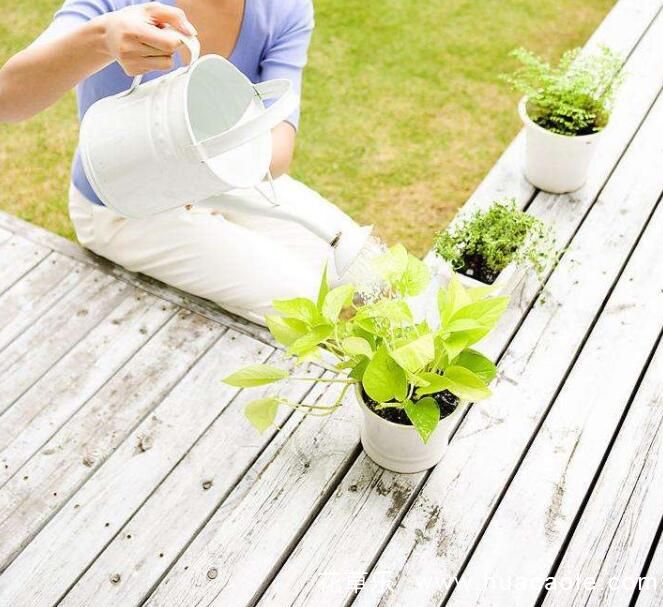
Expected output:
{"points": [[399, 448], [504, 284], [555, 163]]}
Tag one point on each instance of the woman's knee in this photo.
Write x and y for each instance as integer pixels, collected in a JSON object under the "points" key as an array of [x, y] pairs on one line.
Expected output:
{"points": [[253, 300]]}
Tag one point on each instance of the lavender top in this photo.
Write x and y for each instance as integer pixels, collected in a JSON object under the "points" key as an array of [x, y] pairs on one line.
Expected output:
{"points": [[272, 43]]}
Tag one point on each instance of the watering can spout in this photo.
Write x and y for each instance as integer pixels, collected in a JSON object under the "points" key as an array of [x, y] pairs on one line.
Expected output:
{"points": [[349, 248], [347, 239]]}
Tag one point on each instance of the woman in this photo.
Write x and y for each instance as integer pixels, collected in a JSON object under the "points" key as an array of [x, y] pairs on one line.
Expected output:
{"points": [[239, 261]]}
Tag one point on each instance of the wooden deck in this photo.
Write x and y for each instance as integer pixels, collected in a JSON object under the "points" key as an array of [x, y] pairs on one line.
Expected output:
{"points": [[129, 476]]}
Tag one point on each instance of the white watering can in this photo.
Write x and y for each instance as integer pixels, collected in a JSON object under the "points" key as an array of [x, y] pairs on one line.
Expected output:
{"points": [[189, 137]]}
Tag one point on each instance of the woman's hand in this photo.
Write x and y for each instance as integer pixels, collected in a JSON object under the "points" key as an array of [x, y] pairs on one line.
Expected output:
{"points": [[136, 37]]}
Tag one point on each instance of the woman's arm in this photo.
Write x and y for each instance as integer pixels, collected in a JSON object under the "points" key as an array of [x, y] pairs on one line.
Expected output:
{"points": [[36, 77], [283, 146], [286, 58]]}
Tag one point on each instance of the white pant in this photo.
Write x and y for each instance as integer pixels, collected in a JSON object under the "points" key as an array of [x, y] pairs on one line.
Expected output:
{"points": [[239, 261]]}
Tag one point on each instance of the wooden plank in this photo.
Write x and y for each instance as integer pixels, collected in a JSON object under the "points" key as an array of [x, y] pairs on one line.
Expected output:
{"points": [[527, 531], [181, 505], [36, 350], [43, 409], [255, 528], [347, 521], [493, 436], [614, 535], [36, 293], [69, 458], [18, 257], [65, 547], [201, 306], [329, 564], [4, 235], [651, 588]]}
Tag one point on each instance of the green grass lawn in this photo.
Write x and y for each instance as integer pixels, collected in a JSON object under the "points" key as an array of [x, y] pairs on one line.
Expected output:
{"points": [[403, 113]]}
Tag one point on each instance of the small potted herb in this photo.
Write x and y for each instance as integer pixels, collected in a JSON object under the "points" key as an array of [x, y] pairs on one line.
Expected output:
{"points": [[494, 247], [408, 377], [565, 109]]}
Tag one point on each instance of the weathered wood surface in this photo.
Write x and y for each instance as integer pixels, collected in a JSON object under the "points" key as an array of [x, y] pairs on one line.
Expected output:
{"points": [[651, 593], [18, 257], [171, 517], [614, 536], [237, 551], [76, 378], [37, 490], [129, 476], [39, 290], [532, 521]]}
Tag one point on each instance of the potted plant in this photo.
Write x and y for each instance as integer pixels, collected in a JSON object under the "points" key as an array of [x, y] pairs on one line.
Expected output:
{"points": [[565, 109], [409, 378], [494, 247]]}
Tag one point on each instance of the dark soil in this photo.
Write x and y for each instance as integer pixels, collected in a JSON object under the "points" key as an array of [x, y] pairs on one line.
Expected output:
{"points": [[445, 400], [475, 267]]}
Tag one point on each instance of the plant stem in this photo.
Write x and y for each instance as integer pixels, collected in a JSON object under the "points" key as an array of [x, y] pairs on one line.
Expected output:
{"points": [[326, 380]]}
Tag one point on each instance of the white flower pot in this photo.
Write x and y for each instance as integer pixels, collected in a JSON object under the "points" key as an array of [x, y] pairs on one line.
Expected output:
{"points": [[504, 284], [555, 163], [399, 448]]}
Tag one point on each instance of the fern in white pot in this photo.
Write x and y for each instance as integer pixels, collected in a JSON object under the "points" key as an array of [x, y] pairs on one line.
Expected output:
{"points": [[565, 110]]}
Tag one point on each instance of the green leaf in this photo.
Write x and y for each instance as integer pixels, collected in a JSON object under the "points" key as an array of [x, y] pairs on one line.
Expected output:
{"points": [[455, 344], [299, 307], [416, 380], [463, 324], [356, 346], [396, 311], [255, 375], [416, 354], [465, 384], [323, 290], [424, 415], [479, 293], [262, 412], [434, 383], [383, 379], [359, 369], [336, 300], [285, 330], [311, 340], [457, 297], [477, 363], [392, 264], [415, 278], [487, 311]]}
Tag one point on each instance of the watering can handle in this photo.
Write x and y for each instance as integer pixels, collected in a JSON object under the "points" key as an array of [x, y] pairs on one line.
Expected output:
{"points": [[191, 42], [286, 101]]}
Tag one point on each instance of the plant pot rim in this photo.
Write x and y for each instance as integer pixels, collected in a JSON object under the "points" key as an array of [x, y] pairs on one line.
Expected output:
{"points": [[527, 121], [506, 279], [402, 427]]}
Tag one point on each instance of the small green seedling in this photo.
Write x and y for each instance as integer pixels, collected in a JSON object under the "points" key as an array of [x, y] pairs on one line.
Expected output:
{"points": [[488, 241]]}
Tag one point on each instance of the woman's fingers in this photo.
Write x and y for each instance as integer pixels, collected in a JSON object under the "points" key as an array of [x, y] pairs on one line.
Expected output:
{"points": [[162, 14], [156, 63], [165, 40], [141, 65], [137, 36], [145, 50]]}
